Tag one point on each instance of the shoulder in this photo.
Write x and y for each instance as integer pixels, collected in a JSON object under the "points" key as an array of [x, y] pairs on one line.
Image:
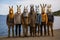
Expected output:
{"points": [[29, 13], [45, 13], [21, 14], [8, 15], [15, 13]]}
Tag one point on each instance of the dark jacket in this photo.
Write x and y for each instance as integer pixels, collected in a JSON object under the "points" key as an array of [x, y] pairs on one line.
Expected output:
{"points": [[9, 21], [50, 17], [32, 19]]}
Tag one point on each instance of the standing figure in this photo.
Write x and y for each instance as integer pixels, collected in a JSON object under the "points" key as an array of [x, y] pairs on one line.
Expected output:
{"points": [[17, 21], [44, 19], [32, 19], [10, 21], [50, 20], [25, 21], [38, 20]]}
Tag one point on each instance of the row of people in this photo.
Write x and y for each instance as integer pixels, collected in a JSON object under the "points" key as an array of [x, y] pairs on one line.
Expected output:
{"points": [[33, 19]]}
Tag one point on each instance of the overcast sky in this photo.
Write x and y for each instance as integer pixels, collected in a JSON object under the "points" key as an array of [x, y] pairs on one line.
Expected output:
{"points": [[4, 4]]}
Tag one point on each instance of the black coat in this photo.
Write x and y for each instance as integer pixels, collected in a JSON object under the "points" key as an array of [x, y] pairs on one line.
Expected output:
{"points": [[50, 17]]}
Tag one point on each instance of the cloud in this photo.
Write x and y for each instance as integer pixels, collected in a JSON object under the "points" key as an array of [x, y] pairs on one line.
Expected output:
{"points": [[4, 5], [3, 9]]}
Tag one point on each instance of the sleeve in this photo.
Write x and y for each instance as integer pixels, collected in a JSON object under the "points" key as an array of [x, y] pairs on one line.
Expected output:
{"points": [[21, 17], [7, 20], [46, 19], [35, 17], [14, 19], [29, 18], [53, 17], [40, 18]]}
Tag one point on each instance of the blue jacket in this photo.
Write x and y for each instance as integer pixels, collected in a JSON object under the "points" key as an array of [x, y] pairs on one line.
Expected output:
{"points": [[38, 18]]}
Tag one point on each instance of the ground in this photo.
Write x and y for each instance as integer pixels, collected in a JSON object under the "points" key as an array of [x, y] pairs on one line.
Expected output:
{"points": [[55, 37]]}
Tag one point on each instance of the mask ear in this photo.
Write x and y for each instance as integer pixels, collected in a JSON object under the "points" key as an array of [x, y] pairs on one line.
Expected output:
{"points": [[20, 6], [12, 6], [9, 7], [33, 5], [50, 5], [44, 5], [41, 5], [26, 7]]}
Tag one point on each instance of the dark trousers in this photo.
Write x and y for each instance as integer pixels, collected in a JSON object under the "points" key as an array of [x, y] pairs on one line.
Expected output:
{"points": [[37, 26], [18, 26], [50, 26], [9, 27], [31, 28], [25, 30], [32, 31], [43, 25]]}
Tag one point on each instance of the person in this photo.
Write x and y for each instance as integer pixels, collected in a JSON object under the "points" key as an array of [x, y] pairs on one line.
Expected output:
{"points": [[17, 21], [50, 20], [44, 20], [25, 21], [38, 20], [32, 19], [10, 21]]}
